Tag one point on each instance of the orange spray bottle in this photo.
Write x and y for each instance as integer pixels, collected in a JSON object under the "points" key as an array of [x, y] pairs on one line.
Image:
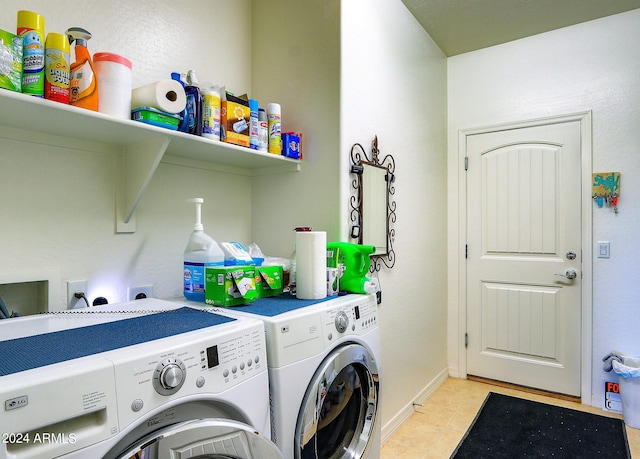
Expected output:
{"points": [[83, 87]]}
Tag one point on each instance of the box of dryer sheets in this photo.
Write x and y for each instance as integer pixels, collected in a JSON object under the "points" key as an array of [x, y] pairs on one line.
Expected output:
{"points": [[10, 61], [230, 285], [234, 119], [269, 281]]}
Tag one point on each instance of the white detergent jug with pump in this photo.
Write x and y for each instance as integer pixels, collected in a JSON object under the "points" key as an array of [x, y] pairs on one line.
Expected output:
{"points": [[201, 252]]}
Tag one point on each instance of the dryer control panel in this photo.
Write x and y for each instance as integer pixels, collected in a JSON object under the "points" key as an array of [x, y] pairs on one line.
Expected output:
{"points": [[356, 317]]}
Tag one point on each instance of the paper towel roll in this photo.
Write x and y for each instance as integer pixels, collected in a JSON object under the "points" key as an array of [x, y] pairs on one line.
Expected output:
{"points": [[165, 95], [311, 265]]}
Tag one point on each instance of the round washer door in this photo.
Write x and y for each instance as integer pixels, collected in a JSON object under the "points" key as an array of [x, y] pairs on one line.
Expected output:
{"points": [[210, 438], [339, 412]]}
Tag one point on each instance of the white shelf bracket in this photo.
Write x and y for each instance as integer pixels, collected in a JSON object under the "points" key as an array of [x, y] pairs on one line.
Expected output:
{"points": [[138, 163]]}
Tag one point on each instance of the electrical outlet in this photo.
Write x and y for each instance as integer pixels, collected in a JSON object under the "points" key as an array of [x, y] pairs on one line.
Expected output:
{"points": [[146, 290], [74, 287]]}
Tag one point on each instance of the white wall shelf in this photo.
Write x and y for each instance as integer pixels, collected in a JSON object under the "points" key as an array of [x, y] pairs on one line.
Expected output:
{"points": [[143, 146]]}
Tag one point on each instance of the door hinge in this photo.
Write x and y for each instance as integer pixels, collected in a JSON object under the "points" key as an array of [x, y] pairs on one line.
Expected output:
{"points": [[466, 163], [466, 251], [466, 339]]}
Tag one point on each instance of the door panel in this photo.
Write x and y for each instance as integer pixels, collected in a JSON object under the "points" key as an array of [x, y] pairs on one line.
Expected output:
{"points": [[523, 216]]}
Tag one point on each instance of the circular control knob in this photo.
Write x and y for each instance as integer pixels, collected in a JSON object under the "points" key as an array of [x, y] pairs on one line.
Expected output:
{"points": [[342, 322], [169, 376]]}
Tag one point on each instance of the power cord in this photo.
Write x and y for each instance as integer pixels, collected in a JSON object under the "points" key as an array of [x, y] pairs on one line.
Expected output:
{"points": [[81, 295]]}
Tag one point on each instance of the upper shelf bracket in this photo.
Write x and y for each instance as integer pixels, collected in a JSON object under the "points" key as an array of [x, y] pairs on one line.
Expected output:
{"points": [[136, 167]]}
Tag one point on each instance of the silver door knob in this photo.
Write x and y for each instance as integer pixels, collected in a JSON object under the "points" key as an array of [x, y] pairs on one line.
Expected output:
{"points": [[569, 274]]}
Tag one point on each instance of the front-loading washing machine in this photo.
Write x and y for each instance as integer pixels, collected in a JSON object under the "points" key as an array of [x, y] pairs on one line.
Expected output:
{"points": [[324, 360], [146, 379]]}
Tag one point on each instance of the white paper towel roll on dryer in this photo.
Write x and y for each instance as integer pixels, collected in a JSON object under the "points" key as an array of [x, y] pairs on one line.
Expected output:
{"points": [[311, 265], [165, 95]]}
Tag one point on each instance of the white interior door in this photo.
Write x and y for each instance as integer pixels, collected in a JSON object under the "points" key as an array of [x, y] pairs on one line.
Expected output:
{"points": [[523, 247]]}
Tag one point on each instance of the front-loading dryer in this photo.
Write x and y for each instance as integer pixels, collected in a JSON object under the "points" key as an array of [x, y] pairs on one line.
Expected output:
{"points": [[324, 361], [146, 379]]}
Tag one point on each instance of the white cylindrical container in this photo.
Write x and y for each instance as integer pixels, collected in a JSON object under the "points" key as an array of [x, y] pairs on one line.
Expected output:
{"points": [[630, 397], [628, 372], [115, 75], [274, 117], [311, 265]]}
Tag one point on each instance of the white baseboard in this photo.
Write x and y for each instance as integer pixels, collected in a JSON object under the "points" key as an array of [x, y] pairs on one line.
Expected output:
{"points": [[405, 413]]}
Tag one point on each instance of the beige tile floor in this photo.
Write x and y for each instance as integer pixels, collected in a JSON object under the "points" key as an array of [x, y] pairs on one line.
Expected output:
{"points": [[436, 428]]}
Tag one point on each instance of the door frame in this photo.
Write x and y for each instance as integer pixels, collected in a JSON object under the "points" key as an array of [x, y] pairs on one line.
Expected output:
{"points": [[585, 119]]}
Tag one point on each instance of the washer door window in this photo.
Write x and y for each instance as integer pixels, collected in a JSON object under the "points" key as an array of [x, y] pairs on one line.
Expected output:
{"points": [[339, 410], [204, 439]]}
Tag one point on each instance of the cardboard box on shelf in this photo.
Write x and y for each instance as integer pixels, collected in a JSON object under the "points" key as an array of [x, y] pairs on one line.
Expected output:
{"points": [[234, 120]]}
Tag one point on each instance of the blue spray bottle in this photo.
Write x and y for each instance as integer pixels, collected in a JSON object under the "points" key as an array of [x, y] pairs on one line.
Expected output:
{"points": [[194, 104]]}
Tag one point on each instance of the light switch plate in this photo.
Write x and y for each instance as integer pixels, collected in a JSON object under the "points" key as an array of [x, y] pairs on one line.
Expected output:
{"points": [[604, 249]]}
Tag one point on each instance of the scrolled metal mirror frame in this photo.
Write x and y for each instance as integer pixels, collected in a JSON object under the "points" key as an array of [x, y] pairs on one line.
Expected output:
{"points": [[359, 158]]}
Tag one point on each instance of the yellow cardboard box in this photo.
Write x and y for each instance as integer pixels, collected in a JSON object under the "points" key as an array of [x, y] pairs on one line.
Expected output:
{"points": [[234, 120]]}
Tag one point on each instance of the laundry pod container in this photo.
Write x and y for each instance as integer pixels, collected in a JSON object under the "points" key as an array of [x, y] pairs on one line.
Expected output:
{"points": [[629, 378]]}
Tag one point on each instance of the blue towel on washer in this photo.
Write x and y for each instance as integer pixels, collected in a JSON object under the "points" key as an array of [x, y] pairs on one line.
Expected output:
{"points": [[26, 353], [274, 305]]}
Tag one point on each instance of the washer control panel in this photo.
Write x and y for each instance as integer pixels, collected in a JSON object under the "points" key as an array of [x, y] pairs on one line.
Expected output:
{"points": [[207, 361], [355, 318]]}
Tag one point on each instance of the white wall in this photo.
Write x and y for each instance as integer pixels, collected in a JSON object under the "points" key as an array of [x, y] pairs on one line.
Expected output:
{"points": [[159, 37], [393, 85], [591, 66], [296, 62], [58, 205]]}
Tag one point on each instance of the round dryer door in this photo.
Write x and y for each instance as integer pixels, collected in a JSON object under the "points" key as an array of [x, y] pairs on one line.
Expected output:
{"points": [[340, 408], [205, 439]]}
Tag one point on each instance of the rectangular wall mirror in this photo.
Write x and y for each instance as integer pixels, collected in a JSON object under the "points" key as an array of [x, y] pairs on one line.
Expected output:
{"points": [[374, 208], [373, 212]]}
